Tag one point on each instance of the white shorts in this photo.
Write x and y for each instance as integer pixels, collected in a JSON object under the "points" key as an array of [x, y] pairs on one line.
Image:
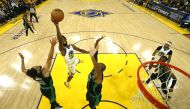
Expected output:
{"points": [[72, 66]]}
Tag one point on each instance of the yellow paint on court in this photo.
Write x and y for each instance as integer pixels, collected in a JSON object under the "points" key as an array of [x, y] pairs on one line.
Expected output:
{"points": [[120, 87], [164, 20]]}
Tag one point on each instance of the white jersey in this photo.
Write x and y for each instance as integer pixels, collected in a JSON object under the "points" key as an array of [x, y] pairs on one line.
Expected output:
{"points": [[32, 10], [69, 56], [70, 59], [163, 52]]}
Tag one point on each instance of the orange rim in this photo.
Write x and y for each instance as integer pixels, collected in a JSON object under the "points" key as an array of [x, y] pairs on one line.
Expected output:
{"points": [[154, 101]]}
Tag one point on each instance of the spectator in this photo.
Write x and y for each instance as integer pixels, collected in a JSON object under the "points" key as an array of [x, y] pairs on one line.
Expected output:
{"points": [[185, 23], [11, 8], [32, 12]]}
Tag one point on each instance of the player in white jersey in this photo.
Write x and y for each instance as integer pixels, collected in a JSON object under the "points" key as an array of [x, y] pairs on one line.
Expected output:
{"points": [[162, 51], [33, 12], [67, 50]]}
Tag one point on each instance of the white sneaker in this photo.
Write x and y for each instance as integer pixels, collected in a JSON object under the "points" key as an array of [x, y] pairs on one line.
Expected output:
{"points": [[67, 85]]}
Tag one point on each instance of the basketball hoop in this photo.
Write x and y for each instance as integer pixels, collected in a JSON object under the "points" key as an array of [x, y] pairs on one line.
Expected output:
{"points": [[146, 92]]}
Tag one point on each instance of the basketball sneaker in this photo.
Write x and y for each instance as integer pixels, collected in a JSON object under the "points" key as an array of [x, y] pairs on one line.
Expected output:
{"points": [[67, 85]]}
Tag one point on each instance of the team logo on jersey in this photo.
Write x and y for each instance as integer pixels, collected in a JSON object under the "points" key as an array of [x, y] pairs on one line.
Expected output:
{"points": [[90, 76], [91, 13], [40, 81], [71, 54]]}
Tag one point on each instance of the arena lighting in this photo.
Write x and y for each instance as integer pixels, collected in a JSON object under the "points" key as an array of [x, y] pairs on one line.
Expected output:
{"points": [[111, 46], [27, 55], [6, 81], [1, 93], [17, 67], [76, 38], [147, 55], [136, 47], [26, 84]]}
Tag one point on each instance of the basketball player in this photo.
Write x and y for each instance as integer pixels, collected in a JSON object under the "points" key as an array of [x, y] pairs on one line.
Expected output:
{"points": [[42, 75], [67, 50], [164, 75], [163, 51], [33, 12], [95, 79], [27, 24]]}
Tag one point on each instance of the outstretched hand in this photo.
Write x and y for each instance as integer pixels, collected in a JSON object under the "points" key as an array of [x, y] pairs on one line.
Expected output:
{"points": [[99, 39], [53, 41], [21, 56]]}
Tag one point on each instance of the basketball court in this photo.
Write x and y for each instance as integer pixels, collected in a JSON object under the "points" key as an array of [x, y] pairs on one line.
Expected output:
{"points": [[132, 35]]}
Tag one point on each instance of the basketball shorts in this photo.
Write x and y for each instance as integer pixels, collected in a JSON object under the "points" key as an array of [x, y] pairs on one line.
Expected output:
{"points": [[93, 100], [71, 66]]}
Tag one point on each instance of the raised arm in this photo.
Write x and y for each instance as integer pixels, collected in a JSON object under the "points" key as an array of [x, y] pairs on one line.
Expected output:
{"points": [[98, 72], [79, 49], [59, 36], [84, 51], [156, 51], [98, 40], [24, 70], [46, 68]]}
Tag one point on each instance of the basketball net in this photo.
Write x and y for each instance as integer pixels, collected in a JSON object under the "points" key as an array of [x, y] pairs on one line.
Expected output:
{"points": [[152, 96]]}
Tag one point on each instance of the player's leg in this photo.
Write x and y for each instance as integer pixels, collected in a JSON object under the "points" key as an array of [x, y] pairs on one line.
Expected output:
{"points": [[92, 104], [31, 29], [72, 71], [31, 17], [32, 25], [91, 100], [36, 17], [26, 30], [53, 97], [153, 76], [165, 90], [70, 76], [164, 84], [50, 94]]}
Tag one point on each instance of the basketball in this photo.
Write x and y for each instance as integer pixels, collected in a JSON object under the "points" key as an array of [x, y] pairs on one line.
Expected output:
{"points": [[57, 15]]}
